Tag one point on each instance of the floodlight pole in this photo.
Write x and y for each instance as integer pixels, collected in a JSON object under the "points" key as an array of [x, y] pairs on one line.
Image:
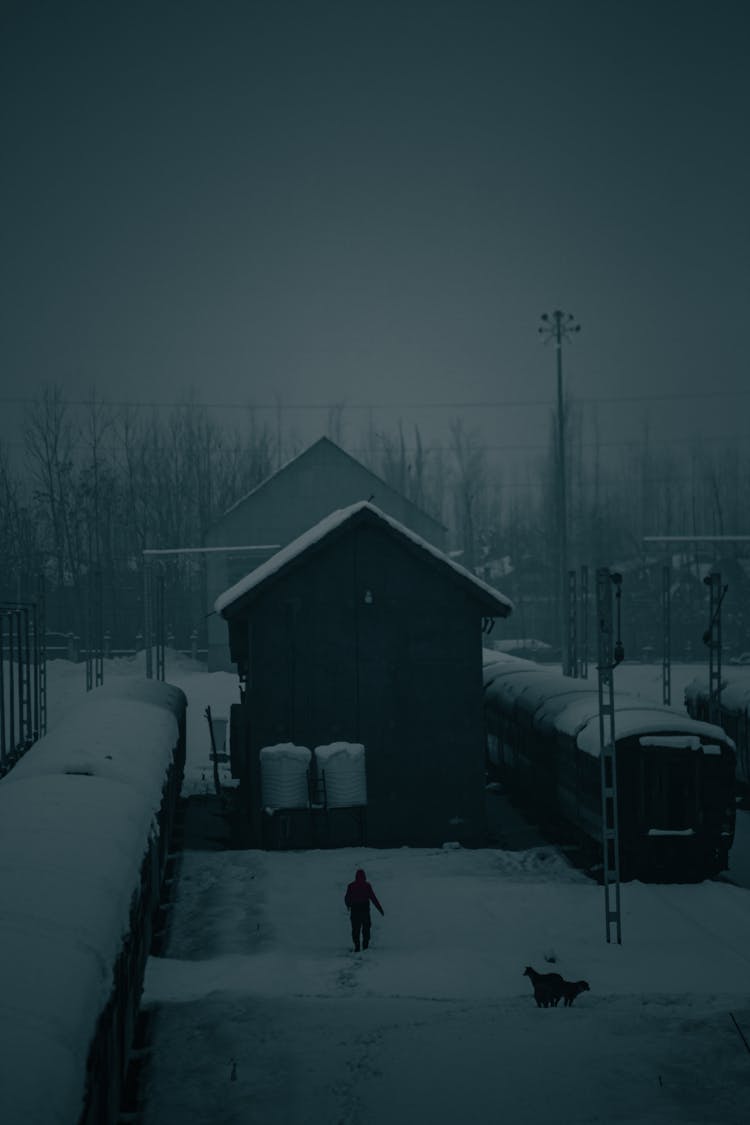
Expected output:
{"points": [[558, 327]]}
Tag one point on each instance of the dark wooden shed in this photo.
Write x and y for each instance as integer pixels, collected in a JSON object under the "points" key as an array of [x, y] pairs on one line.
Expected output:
{"points": [[361, 631]]}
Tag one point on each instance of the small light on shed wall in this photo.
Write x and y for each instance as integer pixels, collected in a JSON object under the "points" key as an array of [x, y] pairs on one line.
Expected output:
{"points": [[368, 597]]}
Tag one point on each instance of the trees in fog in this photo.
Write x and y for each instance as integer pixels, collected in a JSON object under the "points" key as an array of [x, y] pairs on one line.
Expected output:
{"points": [[98, 484]]}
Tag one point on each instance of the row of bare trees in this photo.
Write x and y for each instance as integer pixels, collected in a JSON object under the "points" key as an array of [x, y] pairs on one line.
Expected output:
{"points": [[97, 484]]}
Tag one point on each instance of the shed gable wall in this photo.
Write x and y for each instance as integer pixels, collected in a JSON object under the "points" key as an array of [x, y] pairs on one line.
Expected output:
{"points": [[399, 672]]}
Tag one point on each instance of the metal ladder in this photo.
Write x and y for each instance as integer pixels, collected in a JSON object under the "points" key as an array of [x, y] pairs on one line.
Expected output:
{"points": [[607, 757], [666, 653], [583, 670], [40, 629], [573, 664], [712, 638]]}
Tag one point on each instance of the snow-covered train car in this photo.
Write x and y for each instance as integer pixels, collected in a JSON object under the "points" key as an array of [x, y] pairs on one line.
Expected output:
{"points": [[85, 819], [734, 717], [675, 774]]}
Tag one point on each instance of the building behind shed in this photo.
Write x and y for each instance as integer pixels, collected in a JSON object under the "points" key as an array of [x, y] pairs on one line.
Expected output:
{"points": [[321, 478]]}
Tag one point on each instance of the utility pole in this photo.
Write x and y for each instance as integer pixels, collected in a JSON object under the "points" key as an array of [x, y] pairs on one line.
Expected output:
{"points": [[558, 327]]}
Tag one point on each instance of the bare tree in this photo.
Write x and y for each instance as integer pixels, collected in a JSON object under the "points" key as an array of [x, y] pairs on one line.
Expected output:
{"points": [[335, 423], [469, 491], [50, 439], [19, 546]]}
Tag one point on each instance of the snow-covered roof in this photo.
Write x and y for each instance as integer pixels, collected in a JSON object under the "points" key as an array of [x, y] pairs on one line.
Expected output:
{"points": [[571, 707], [76, 817], [331, 524], [735, 690]]}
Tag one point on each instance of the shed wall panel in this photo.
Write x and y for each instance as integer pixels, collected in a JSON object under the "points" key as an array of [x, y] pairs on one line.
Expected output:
{"points": [[398, 670]]}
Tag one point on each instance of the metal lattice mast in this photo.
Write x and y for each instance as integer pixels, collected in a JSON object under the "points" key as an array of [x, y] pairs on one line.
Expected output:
{"points": [[712, 638], [572, 624], [558, 327], [41, 624], [147, 626], [11, 682], [608, 755], [98, 629], [2, 691], [583, 670], [89, 631], [666, 649], [160, 625], [27, 681]]}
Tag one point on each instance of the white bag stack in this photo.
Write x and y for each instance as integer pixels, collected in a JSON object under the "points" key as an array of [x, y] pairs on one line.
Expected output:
{"points": [[344, 766], [283, 774]]}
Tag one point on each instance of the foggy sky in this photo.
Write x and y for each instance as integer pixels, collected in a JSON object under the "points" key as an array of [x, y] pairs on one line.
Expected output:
{"points": [[373, 203]]}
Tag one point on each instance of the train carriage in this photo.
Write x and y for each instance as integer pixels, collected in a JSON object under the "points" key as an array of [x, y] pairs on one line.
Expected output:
{"points": [[85, 818], [675, 774], [734, 718]]}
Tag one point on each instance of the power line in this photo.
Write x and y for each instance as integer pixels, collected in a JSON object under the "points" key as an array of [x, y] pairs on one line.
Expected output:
{"points": [[635, 443], [343, 405]]}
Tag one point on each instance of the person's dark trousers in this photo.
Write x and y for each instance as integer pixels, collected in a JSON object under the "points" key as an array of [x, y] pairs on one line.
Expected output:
{"points": [[360, 918]]}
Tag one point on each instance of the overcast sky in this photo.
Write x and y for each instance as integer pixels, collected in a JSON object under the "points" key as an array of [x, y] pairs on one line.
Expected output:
{"points": [[373, 203]]}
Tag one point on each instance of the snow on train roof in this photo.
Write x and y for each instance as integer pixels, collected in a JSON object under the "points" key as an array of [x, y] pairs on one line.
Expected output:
{"points": [[124, 731], [76, 815], [633, 718], [735, 690], [571, 707], [64, 902], [324, 528]]}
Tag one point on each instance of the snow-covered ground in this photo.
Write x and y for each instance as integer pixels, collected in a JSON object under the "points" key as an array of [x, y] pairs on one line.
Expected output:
{"points": [[262, 1013], [435, 1022]]}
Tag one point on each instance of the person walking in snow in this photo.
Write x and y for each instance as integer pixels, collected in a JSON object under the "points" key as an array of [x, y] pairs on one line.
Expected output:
{"points": [[358, 897]]}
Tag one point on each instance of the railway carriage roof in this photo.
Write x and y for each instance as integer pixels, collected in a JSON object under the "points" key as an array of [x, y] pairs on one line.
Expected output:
{"points": [[76, 816], [635, 719], [735, 690], [553, 702]]}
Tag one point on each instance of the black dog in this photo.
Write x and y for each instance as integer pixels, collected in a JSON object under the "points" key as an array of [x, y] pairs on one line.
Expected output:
{"points": [[547, 987], [572, 988]]}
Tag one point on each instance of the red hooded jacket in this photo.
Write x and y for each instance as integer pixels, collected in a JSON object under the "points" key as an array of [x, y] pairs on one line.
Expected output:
{"points": [[360, 893]]}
